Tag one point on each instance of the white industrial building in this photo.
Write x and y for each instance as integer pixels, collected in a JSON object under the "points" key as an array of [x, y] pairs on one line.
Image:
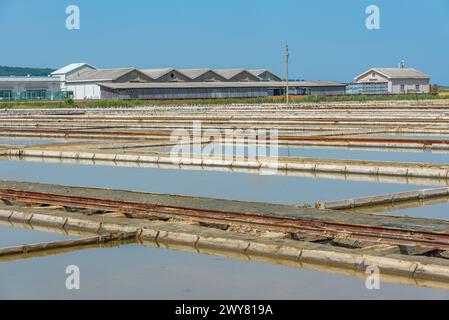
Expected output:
{"points": [[52, 87], [29, 88], [394, 81]]}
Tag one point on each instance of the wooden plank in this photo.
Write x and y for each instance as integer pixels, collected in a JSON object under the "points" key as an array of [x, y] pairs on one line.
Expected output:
{"points": [[55, 245], [229, 206]]}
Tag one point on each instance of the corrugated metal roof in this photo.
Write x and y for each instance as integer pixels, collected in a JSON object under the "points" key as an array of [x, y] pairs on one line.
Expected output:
{"points": [[398, 73], [70, 68], [402, 73], [187, 85], [229, 73], [194, 73], [157, 73], [100, 74], [259, 72]]}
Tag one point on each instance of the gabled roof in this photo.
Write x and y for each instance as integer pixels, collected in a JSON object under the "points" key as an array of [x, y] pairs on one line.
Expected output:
{"points": [[157, 73], [71, 67], [397, 73], [259, 72], [100, 74], [229, 73], [194, 73]]}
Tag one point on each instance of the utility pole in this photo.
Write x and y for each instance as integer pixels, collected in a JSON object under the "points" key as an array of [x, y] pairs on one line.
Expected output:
{"points": [[287, 56]]}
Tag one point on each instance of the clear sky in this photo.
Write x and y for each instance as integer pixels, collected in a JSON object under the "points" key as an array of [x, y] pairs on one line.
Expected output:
{"points": [[328, 38]]}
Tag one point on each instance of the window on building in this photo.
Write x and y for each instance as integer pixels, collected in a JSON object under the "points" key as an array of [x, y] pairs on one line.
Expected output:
{"points": [[418, 88], [402, 87], [373, 75], [35, 95], [5, 95]]}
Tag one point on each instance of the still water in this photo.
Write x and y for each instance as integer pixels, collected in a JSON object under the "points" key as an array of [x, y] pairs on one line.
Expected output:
{"points": [[437, 211], [135, 271], [11, 237], [213, 184], [375, 154], [354, 154], [28, 141], [139, 272]]}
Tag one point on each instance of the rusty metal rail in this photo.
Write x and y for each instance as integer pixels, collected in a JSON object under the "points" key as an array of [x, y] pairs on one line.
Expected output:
{"points": [[418, 236], [426, 142], [85, 132]]}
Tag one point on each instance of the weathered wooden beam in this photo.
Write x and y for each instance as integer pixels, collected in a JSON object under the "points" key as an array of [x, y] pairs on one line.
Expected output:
{"points": [[47, 246], [391, 198]]}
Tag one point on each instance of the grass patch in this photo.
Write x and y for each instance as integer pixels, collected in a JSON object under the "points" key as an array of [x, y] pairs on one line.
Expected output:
{"points": [[273, 100]]}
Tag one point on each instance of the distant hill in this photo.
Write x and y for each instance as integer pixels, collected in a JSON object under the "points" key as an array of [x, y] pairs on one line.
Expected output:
{"points": [[23, 72]]}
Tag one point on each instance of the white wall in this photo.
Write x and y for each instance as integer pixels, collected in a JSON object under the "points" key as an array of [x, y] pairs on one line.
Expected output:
{"points": [[85, 91], [63, 77], [409, 86]]}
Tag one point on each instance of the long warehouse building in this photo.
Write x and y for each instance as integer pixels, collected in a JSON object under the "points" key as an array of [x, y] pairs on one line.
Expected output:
{"points": [[170, 83], [214, 90]]}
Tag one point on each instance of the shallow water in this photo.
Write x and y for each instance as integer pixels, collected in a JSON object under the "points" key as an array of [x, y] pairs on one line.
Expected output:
{"points": [[138, 272], [437, 211], [11, 237], [404, 156], [377, 154], [213, 184], [29, 142]]}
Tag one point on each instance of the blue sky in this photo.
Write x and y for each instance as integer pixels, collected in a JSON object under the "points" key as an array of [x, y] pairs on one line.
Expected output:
{"points": [[328, 39]]}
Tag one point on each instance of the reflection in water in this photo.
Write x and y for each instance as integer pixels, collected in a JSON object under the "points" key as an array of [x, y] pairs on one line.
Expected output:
{"points": [[375, 154], [280, 189], [440, 211], [210, 262], [11, 237], [29, 141], [432, 209], [138, 272]]}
